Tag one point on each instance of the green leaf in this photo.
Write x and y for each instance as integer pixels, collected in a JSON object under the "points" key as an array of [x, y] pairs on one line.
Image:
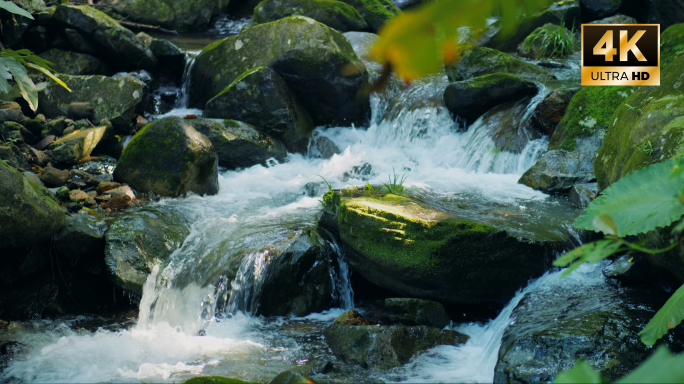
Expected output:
{"points": [[580, 373], [639, 202], [588, 253], [49, 74], [661, 367], [668, 317], [13, 8], [26, 86]]}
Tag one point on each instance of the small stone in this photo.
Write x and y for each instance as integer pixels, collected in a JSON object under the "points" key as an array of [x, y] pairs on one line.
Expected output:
{"points": [[123, 190], [118, 202], [78, 195], [62, 193], [107, 186], [78, 111], [582, 194], [351, 318], [69, 130], [53, 177], [45, 142], [140, 121], [6, 152], [41, 118], [9, 105]]}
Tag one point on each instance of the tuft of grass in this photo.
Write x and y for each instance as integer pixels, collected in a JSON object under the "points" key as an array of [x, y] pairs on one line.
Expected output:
{"points": [[554, 41], [328, 196], [396, 183]]}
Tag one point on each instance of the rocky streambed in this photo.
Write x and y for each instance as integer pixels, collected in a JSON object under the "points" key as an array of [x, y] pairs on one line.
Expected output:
{"points": [[227, 211]]}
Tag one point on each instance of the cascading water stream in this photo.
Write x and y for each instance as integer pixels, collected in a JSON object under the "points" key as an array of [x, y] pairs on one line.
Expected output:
{"points": [[261, 207]]}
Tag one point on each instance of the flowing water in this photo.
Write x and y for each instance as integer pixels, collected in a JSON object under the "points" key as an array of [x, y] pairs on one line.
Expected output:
{"points": [[261, 206]]}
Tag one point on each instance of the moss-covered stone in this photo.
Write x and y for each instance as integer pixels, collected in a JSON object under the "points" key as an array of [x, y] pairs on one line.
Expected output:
{"points": [[28, 214], [307, 54], [414, 250], [477, 61], [181, 15], [137, 240], [170, 158], [385, 347], [72, 63], [332, 13], [261, 97], [76, 146], [566, 10], [375, 12], [108, 36], [471, 98], [112, 99], [671, 44], [237, 144]]}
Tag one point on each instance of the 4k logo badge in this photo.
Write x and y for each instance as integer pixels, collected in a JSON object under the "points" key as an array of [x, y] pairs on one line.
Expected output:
{"points": [[620, 54]]}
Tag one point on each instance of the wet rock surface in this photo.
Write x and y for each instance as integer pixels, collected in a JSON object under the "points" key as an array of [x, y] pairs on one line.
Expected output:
{"points": [[478, 61]]}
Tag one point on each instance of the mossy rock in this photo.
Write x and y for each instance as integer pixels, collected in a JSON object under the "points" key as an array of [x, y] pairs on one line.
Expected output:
{"points": [[170, 158], [471, 98], [414, 250], [260, 97], [555, 327], [375, 12], [112, 99], [671, 44], [332, 13], [73, 63], [169, 55], [478, 61], [181, 15], [77, 145], [418, 312], [109, 37], [28, 214], [596, 9], [308, 55], [237, 144], [138, 239], [573, 145], [566, 10], [385, 347]]}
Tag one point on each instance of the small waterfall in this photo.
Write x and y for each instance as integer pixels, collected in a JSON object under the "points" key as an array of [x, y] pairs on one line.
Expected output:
{"points": [[184, 98]]}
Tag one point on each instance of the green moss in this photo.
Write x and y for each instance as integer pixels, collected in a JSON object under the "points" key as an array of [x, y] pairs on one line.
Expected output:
{"points": [[375, 12], [589, 111], [335, 14], [234, 83], [397, 231], [215, 380], [671, 44], [477, 61]]}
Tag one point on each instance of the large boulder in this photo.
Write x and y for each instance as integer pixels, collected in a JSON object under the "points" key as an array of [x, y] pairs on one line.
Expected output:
{"points": [[261, 97], [573, 145], [28, 214], [75, 146], [239, 145], [553, 328], [111, 99], [385, 347], [414, 250], [332, 13], [110, 38], [477, 61], [596, 9], [471, 98], [181, 15], [310, 57], [137, 240], [73, 63], [170, 158], [567, 11]]}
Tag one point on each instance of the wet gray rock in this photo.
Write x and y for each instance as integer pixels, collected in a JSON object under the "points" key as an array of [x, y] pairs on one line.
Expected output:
{"points": [[582, 194], [137, 240], [107, 35], [385, 347], [558, 171], [239, 145], [418, 312], [82, 236], [28, 214], [477, 61], [322, 147], [260, 97], [551, 110], [471, 98], [597, 323]]}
